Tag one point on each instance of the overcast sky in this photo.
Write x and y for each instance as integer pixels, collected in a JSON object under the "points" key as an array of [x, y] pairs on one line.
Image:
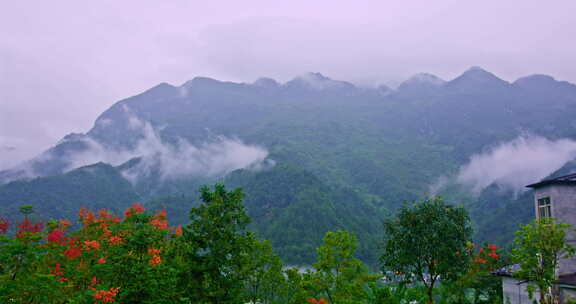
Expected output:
{"points": [[64, 62]]}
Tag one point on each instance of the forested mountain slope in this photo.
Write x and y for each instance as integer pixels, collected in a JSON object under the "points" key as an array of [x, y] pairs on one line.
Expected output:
{"points": [[362, 151]]}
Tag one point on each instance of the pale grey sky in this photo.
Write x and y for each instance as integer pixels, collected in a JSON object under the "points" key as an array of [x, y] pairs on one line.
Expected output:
{"points": [[62, 62]]}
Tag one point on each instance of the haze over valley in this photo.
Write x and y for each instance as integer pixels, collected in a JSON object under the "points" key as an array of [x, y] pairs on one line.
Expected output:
{"points": [[313, 150], [328, 115]]}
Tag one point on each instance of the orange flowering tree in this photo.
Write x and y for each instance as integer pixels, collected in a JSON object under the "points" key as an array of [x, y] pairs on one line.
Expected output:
{"points": [[137, 257], [109, 259], [478, 282], [124, 256], [24, 276]]}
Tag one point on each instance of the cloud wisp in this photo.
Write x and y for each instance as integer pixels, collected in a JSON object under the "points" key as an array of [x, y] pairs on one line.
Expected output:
{"points": [[513, 165], [212, 158]]}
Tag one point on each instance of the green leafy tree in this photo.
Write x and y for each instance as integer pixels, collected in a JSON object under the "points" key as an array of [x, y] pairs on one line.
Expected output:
{"points": [[23, 275], [264, 273], [217, 247], [539, 246], [293, 288], [339, 276], [427, 241], [478, 284]]}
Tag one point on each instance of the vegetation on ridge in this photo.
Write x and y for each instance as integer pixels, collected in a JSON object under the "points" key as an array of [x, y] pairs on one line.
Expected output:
{"points": [[140, 258]]}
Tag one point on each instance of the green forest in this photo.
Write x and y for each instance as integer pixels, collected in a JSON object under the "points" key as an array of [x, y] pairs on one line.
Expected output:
{"points": [[343, 157], [328, 177], [424, 251]]}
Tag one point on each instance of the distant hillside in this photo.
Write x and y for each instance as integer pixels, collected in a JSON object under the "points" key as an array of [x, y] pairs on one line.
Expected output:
{"points": [[60, 196], [361, 151]]}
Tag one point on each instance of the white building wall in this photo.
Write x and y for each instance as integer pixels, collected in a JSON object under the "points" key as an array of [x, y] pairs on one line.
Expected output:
{"points": [[515, 293], [563, 202]]}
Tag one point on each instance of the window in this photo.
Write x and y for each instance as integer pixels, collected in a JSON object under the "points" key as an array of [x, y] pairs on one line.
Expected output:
{"points": [[544, 207]]}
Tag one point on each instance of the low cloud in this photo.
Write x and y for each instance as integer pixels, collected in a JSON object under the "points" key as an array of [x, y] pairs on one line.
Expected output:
{"points": [[517, 163], [173, 160]]}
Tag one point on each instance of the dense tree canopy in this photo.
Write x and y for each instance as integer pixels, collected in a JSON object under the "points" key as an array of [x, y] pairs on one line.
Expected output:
{"points": [[137, 257], [539, 246], [427, 241]]}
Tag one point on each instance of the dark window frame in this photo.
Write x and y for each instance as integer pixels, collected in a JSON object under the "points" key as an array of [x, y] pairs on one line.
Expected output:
{"points": [[544, 207]]}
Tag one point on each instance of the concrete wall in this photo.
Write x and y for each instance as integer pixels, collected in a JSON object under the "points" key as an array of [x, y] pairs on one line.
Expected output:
{"points": [[568, 294], [563, 205], [515, 293]]}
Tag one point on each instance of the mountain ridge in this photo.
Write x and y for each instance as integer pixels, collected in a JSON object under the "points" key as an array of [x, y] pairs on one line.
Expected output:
{"points": [[382, 146]]}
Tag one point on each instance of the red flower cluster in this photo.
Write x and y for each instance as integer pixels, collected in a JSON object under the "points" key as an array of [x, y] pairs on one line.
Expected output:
{"points": [[106, 296], [93, 283], [135, 209], [155, 259], [480, 260], [57, 237], [319, 301], [159, 220], [26, 226], [58, 272], [178, 231], [482, 255], [104, 214], [87, 217], [73, 252], [64, 224], [80, 254], [92, 245], [493, 255], [115, 240], [3, 225]]}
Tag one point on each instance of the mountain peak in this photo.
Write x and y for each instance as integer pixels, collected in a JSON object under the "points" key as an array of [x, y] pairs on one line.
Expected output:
{"points": [[476, 78], [199, 81], [315, 76], [478, 72], [419, 85], [317, 81], [535, 78], [545, 84], [265, 82], [475, 69], [425, 78]]}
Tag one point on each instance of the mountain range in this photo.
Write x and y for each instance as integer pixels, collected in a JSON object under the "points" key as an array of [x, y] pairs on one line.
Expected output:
{"points": [[314, 154]]}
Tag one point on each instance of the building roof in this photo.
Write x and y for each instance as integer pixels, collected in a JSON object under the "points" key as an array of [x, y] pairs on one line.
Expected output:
{"points": [[567, 280], [569, 179], [507, 270]]}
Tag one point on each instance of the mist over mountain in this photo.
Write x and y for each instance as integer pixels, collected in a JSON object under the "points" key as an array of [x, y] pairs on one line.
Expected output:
{"points": [[475, 139]]}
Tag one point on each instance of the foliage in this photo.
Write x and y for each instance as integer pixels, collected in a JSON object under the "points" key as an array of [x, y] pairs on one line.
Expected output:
{"points": [[394, 293], [108, 259], [339, 276], [387, 146], [293, 209], [98, 186], [217, 245], [137, 257], [539, 246], [477, 284], [427, 241], [293, 289], [265, 275]]}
